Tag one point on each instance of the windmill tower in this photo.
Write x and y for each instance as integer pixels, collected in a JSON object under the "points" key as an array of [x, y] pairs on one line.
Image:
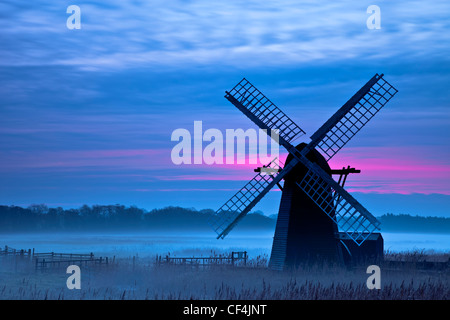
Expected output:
{"points": [[317, 220]]}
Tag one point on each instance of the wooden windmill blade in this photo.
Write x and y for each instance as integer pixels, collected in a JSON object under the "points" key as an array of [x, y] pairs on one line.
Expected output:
{"points": [[237, 207], [263, 112], [352, 116], [230, 213], [350, 216]]}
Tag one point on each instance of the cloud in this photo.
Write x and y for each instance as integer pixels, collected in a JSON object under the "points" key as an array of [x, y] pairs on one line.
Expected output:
{"points": [[159, 33]]}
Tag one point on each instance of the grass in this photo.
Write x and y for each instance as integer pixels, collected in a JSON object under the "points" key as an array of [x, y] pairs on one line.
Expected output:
{"points": [[141, 279]]}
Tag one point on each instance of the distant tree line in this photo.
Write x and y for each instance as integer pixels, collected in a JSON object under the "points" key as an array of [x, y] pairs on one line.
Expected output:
{"points": [[39, 217], [408, 223]]}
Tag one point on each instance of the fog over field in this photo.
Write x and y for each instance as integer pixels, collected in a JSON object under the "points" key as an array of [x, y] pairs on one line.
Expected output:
{"points": [[148, 244]]}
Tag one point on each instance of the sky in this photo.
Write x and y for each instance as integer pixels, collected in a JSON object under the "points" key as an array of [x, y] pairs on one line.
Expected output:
{"points": [[87, 114]]}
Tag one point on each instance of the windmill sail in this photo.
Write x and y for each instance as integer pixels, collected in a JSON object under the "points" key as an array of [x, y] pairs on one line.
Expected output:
{"points": [[266, 115], [352, 116], [349, 215], [226, 218]]}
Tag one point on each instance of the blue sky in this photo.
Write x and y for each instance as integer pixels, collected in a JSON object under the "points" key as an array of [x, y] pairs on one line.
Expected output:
{"points": [[87, 115]]}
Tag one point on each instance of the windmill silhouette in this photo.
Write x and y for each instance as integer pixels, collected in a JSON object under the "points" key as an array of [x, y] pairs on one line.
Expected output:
{"points": [[317, 220]]}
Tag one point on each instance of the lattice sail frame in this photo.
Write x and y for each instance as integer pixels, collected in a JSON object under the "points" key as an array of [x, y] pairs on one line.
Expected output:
{"points": [[240, 204], [255, 102], [350, 217], [346, 211], [353, 116]]}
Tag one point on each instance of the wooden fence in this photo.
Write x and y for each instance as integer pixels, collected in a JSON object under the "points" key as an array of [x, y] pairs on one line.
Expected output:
{"points": [[416, 265], [47, 260], [52, 259], [62, 256], [235, 258], [14, 252]]}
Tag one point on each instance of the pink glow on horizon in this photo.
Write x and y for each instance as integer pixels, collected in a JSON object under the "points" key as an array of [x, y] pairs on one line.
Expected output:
{"points": [[184, 190], [195, 190], [402, 170], [395, 170], [202, 177]]}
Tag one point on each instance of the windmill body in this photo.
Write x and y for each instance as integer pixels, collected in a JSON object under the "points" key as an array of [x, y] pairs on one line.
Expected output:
{"points": [[317, 218], [303, 234]]}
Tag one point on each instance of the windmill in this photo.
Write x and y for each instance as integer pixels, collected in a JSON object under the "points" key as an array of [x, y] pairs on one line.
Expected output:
{"points": [[317, 218]]}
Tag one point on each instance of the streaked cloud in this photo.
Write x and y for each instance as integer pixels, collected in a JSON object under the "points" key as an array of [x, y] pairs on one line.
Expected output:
{"points": [[160, 33]]}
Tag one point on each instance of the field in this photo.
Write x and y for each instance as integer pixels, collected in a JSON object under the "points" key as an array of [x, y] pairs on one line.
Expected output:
{"points": [[140, 278]]}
